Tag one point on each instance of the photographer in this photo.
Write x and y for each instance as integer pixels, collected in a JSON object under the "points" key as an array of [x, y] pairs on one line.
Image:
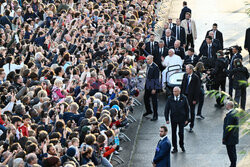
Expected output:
{"points": [[240, 75], [219, 74]]}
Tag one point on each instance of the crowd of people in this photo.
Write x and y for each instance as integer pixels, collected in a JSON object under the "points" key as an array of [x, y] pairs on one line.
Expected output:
{"points": [[69, 70]]}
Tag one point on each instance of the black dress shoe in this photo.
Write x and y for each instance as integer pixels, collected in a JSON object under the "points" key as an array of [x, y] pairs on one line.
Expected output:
{"points": [[191, 130], [154, 119], [147, 113], [183, 149], [174, 151]]}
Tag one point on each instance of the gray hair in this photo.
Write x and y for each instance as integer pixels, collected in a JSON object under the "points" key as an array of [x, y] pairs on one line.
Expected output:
{"points": [[231, 104], [191, 67], [30, 157], [161, 41], [17, 162]]}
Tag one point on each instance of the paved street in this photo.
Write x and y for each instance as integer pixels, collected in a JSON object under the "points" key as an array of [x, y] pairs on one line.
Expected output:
{"points": [[203, 147]]}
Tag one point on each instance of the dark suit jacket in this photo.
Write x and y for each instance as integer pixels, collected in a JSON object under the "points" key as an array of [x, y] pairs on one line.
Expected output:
{"points": [[231, 134], [182, 35], [187, 60], [193, 88], [172, 25], [204, 50], [218, 36], [247, 39], [180, 52], [153, 78], [179, 110], [148, 47], [162, 153], [158, 55], [183, 12], [171, 42]]}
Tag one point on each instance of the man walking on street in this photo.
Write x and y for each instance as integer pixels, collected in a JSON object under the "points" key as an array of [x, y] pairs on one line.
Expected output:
{"points": [[152, 85], [231, 133], [184, 10], [177, 106], [190, 87], [162, 152]]}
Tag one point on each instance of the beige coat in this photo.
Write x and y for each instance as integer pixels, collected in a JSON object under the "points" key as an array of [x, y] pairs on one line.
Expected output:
{"points": [[193, 28]]}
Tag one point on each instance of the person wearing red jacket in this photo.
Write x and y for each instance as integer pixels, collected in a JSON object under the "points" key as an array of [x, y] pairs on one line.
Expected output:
{"points": [[24, 128]]}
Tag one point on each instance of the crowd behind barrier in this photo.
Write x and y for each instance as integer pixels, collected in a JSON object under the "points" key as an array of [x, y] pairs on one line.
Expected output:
{"points": [[69, 74]]}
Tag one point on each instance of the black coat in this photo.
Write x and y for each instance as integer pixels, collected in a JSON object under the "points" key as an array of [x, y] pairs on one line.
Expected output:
{"points": [[239, 74], [183, 12], [204, 50], [247, 39], [182, 35], [179, 110], [218, 36], [171, 25], [188, 60], [148, 49], [220, 70], [193, 88], [180, 52], [164, 32], [171, 42], [231, 135], [153, 78], [158, 55], [6, 20]]}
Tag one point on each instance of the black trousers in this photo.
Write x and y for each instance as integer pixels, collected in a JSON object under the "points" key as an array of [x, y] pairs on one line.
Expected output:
{"points": [[147, 96], [192, 111], [230, 91], [240, 97], [220, 84], [231, 151], [201, 101], [180, 133], [190, 41]]}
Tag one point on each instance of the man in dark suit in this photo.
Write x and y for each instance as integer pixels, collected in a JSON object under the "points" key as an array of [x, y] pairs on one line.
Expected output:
{"points": [[178, 49], [179, 32], [217, 34], [160, 52], [170, 23], [184, 10], [152, 85], [207, 49], [236, 55], [162, 152], [191, 58], [231, 133], [177, 105], [151, 45], [247, 42], [215, 42], [190, 87], [168, 39]]}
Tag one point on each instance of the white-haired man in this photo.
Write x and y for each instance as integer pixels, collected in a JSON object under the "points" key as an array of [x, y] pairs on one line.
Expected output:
{"points": [[170, 60]]}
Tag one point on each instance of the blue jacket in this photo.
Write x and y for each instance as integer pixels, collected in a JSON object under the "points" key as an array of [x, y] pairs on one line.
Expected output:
{"points": [[162, 153]]}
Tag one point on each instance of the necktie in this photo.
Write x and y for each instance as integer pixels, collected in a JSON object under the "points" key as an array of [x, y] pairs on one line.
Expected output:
{"points": [[188, 26], [188, 80], [178, 33], [168, 41], [209, 51], [151, 51]]}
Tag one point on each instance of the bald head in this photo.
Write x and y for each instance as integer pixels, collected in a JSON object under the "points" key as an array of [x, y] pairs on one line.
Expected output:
{"points": [[168, 32], [176, 91], [230, 105]]}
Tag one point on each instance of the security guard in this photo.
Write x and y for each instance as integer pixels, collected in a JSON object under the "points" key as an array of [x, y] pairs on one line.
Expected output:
{"points": [[219, 73]]}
